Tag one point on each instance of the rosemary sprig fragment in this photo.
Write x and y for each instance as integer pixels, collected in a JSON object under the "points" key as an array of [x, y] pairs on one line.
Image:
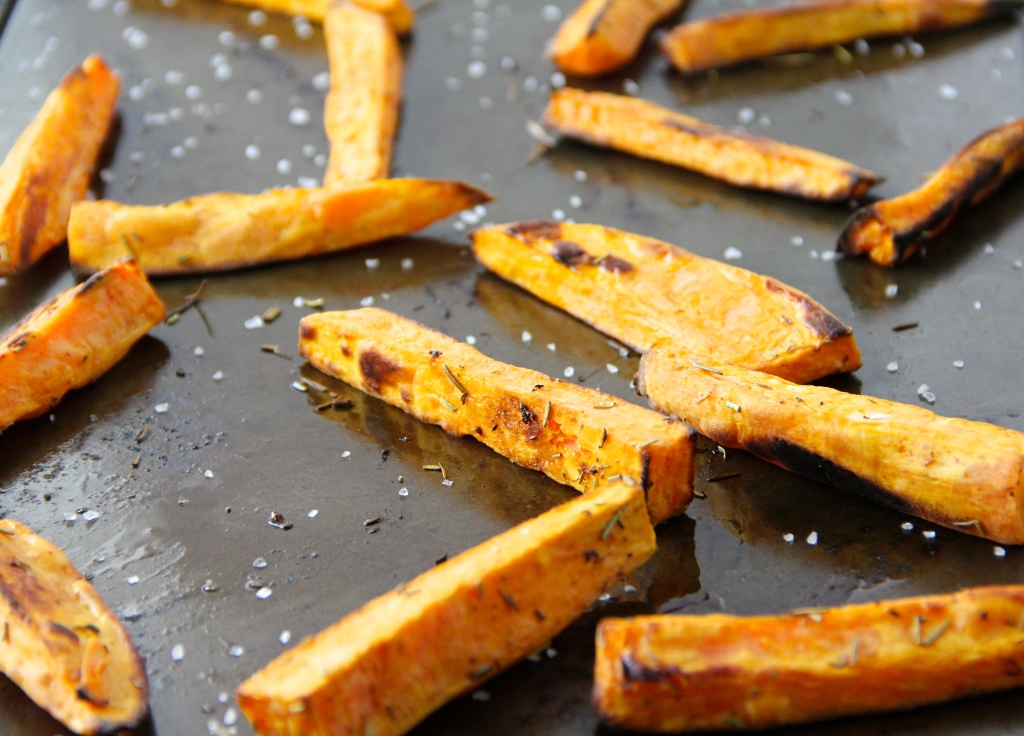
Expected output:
{"points": [[455, 382]]}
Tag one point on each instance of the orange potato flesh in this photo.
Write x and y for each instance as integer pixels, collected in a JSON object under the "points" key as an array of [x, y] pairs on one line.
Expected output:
{"points": [[218, 232], [648, 294], [650, 131], [700, 673], [734, 38], [50, 165], [73, 340], [59, 641], [574, 435], [960, 474], [398, 14], [361, 110], [602, 35], [892, 230], [385, 667]]}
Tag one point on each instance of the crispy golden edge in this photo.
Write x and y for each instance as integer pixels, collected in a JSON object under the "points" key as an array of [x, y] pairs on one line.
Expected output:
{"points": [[575, 435], [361, 110], [674, 673], [60, 643], [389, 664], [603, 35], [893, 230], [74, 339], [626, 286], [224, 231], [968, 476], [742, 36], [399, 15], [49, 167], [650, 131]]}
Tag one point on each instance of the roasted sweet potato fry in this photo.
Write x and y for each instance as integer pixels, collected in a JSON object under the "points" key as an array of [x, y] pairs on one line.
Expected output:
{"points": [[73, 340], [60, 643], [644, 129], [718, 672], [398, 14], [49, 167], [603, 35], [574, 435], [734, 38], [648, 294], [388, 665], [219, 232], [968, 476], [361, 110], [892, 230]]}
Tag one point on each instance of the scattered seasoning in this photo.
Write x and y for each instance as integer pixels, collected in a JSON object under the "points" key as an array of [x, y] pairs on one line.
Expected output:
{"points": [[648, 444], [814, 614], [274, 350], [547, 415], [928, 641], [384, 454], [448, 405], [604, 436], [628, 479], [442, 559], [509, 600], [999, 552], [906, 326], [616, 519], [372, 521], [316, 386], [812, 538], [526, 413], [734, 407], [313, 303], [271, 314], [606, 405], [734, 723], [455, 382], [437, 467], [301, 388], [966, 524], [720, 478], [435, 353], [142, 435], [481, 671], [340, 404], [192, 300], [137, 461], [173, 319], [540, 135], [277, 520], [855, 651], [700, 367], [916, 629]]}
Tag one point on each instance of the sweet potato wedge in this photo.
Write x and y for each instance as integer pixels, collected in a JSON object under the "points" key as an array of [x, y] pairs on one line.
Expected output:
{"points": [[700, 673], [59, 641], [574, 435], [602, 35], [361, 110], [964, 475], [49, 167], [892, 230], [219, 232], [73, 340], [648, 130], [742, 36], [648, 294], [388, 665], [398, 14]]}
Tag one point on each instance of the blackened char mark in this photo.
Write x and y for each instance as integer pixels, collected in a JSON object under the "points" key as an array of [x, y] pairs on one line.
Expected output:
{"points": [[811, 465], [614, 264], [633, 671], [824, 323], [569, 253], [92, 282], [645, 472], [308, 331], [376, 369], [36, 209], [595, 23], [531, 231]]}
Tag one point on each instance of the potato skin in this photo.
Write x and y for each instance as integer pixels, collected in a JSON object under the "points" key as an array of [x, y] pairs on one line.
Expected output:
{"points": [[742, 36], [50, 165], [60, 643], [648, 294], [574, 435], [717, 672], [386, 666], [968, 476], [651, 131], [398, 14], [893, 230], [73, 340], [603, 35]]}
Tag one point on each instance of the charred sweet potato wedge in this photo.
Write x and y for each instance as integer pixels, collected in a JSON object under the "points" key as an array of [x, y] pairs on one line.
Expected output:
{"points": [[385, 667], [361, 110], [398, 14], [602, 35], [648, 130], [50, 165], [219, 232], [964, 475], [718, 672], [893, 230], [59, 641], [73, 340], [574, 435], [648, 294], [742, 36]]}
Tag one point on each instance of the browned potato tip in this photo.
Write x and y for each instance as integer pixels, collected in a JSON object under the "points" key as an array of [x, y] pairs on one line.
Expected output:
{"points": [[602, 35], [734, 38], [385, 667], [963, 475], [648, 294], [572, 434], [50, 165], [893, 230], [398, 14], [650, 131], [717, 672], [60, 643]]}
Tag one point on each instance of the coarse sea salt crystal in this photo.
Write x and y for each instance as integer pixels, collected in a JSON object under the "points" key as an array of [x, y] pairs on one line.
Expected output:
{"points": [[812, 538], [177, 652]]}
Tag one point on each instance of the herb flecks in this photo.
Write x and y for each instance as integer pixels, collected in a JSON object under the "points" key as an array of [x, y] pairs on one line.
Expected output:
{"points": [[438, 467], [604, 437], [275, 350], [455, 382], [968, 524], [547, 415], [734, 406], [448, 405], [934, 636], [700, 367], [646, 444], [192, 300], [616, 519], [606, 405], [271, 314]]}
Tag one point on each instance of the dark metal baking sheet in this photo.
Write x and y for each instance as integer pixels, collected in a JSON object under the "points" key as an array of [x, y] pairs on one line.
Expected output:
{"points": [[899, 109]]}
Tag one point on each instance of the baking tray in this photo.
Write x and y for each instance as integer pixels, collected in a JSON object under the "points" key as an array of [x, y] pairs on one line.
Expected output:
{"points": [[187, 119]]}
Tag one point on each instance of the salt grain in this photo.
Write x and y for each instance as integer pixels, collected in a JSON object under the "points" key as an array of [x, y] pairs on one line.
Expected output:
{"points": [[928, 534], [346, 454], [746, 115], [230, 717], [796, 240], [407, 264], [299, 116], [236, 651], [403, 492], [958, 364], [284, 166], [90, 515], [612, 368], [300, 387], [893, 367], [551, 346], [269, 42], [218, 375], [133, 580], [161, 408], [569, 372], [447, 482], [372, 263], [527, 336], [226, 38], [285, 636], [907, 526], [208, 473], [254, 322], [812, 538], [264, 593], [177, 652], [476, 70], [999, 552], [470, 339], [254, 96], [843, 97], [948, 92], [580, 176], [322, 81], [732, 254], [70, 517], [788, 538], [891, 290], [551, 13]]}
